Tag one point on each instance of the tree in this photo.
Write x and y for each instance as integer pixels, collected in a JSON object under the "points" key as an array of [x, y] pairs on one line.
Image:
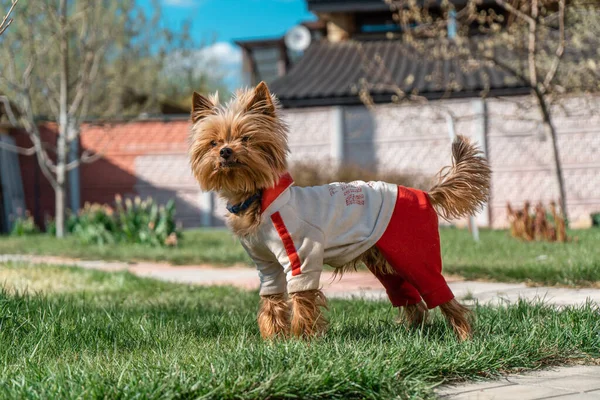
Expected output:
{"points": [[548, 46], [152, 65], [60, 48], [6, 21], [67, 60]]}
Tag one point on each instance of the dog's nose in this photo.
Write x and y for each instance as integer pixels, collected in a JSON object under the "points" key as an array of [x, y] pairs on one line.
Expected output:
{"points": [[226, 152]]}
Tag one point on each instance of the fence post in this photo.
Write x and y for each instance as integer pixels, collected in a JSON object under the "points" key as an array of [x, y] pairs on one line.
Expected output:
{"points": [[74, 180], [206, 209], [452, 133], [480, 111], [337, 137]]}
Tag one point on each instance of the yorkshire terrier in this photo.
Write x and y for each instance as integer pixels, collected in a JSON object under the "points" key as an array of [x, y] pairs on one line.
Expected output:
{"points": [[239, 150]]}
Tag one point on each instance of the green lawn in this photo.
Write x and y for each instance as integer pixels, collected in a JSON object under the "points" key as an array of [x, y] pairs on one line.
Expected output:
{"points": [[71, 333], [215, 246], [497, 257]]}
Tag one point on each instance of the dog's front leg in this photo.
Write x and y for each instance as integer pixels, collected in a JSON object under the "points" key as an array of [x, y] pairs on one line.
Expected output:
{"points": [[274, 316], [307, 313]]}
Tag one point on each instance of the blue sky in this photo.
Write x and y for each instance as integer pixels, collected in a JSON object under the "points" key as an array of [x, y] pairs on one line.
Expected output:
{"points": [[231, 20]]}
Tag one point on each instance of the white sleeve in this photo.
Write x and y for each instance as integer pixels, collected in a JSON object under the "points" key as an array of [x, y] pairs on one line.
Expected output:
{"points": [[298, 246], [270, 273]]}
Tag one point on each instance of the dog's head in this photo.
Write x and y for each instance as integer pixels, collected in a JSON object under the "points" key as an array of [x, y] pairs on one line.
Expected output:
{"points": [[239, 147]]}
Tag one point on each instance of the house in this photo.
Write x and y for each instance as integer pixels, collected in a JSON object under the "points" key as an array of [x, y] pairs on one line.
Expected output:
{"points": [[356, 45], [320, 92]]}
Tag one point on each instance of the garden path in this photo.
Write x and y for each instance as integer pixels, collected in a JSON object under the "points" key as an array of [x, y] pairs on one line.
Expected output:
{"points": [[564, 383]]}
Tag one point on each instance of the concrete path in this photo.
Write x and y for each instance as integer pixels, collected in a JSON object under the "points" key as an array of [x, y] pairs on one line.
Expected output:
{"points": [[564, 383], [560, 383], [357, 284]]}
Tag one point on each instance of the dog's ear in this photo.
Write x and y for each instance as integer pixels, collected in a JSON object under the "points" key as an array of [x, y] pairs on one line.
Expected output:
{"points": [[201, 107], [261, 101]]}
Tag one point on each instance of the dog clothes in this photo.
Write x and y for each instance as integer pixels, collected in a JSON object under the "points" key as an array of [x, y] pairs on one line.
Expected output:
{"points": [[411, 245], [304, 228]]}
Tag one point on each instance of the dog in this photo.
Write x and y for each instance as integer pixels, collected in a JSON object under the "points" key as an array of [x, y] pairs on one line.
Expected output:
{"points": [[240, 150]]}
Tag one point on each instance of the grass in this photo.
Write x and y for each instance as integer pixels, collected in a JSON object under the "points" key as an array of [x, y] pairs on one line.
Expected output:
{"points": [[71, 333], [496, 257], [214, 246], [499, 257]]}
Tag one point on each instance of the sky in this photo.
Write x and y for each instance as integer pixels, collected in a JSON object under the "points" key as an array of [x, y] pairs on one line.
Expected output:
{"points": [[229, 20]]}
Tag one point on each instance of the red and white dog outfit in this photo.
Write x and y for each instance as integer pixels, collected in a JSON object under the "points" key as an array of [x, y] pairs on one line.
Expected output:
{"points": [[304, 228]]}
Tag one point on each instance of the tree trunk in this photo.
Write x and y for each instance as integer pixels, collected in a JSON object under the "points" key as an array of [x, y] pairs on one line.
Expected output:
{"points": [[63, 122], [73, 175], [59, 195], [549, 125], [61, 162]]}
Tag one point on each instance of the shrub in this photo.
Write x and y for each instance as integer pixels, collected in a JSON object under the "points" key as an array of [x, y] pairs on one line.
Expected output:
{"points": [[24, 225], [94, 224], [137, 221], [596, 219], [314, 174], [145, 222]]}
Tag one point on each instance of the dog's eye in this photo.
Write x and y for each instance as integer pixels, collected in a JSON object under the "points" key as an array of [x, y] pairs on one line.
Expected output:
{"points": [[245, 139], [213, 143]]}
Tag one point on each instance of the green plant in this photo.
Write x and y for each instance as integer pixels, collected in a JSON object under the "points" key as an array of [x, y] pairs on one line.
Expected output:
{"points": [[94, 224], [136, 222], [146, 222], [595, 219], [24, 225]]}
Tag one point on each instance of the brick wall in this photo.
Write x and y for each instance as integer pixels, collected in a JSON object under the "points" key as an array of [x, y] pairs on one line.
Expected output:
{"points": [[415, 139], [523, 161], [147, 158], [150, 158]]}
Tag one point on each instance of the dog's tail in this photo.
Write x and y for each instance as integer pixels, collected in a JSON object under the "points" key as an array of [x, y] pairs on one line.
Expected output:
{"points": [[464, 187]]}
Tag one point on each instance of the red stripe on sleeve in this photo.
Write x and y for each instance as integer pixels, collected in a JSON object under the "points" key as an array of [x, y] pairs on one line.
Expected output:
{"points": [[288, 243]]}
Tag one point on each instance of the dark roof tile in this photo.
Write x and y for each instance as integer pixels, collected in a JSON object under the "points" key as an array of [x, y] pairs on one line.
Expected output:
{"points": [[330, 73]]}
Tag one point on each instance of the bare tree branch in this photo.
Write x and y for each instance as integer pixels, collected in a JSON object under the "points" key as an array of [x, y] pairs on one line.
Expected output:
{"points": [[526, 42], [561, 44], [8, 110], [516, 12], [88, 156], [19, 150], [88, 74], [39, 147], [6, 21]]}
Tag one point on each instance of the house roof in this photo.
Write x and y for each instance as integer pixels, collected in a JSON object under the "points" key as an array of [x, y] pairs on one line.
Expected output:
{"points": [[369, 5], [332, 74], [347, 5]]}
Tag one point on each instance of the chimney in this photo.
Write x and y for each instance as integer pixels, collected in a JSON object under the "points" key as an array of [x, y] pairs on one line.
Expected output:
{"points": [[340, 26]]}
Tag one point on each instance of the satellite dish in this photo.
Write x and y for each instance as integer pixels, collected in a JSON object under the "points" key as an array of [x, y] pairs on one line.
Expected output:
{"points": [[298, 38]]}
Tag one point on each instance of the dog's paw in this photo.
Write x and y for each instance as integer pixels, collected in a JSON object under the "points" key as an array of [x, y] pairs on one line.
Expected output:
{"points": [[274, 316], [414, 315], [308, 319]]}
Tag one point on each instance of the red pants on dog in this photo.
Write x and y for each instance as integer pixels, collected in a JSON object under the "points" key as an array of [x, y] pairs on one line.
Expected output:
{"points": [[411, 245]]}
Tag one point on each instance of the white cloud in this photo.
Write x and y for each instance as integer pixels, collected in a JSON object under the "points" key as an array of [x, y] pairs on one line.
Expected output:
{"points": [[221, 60], [228, 59], [224, 53]]}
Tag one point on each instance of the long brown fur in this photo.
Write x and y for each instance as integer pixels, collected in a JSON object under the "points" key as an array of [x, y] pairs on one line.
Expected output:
{"points": [[307, 313], [250, 126], [372, 258], [274, 316], [414, 315], [464, 187], [458, 316]]}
